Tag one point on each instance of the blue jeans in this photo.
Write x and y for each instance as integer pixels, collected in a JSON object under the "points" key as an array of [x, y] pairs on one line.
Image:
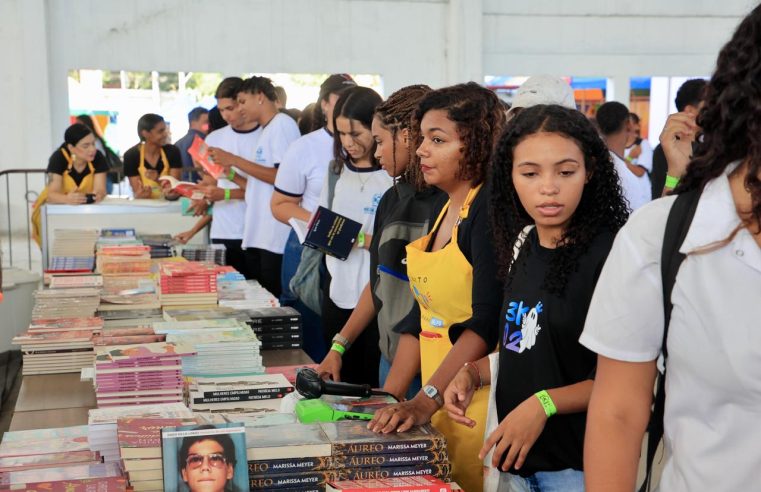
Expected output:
{"points": [[385, 367], [567, 480], [311, 324]]}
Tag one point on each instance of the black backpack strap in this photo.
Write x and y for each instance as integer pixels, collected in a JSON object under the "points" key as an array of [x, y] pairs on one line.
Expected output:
{"points": [[677, 225]]}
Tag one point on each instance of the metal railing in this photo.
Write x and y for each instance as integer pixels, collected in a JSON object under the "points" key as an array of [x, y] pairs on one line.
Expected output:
{"points": [[29, 197]]}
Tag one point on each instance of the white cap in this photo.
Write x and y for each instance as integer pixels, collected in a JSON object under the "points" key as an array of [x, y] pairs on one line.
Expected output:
{"points": [[544, 89]]}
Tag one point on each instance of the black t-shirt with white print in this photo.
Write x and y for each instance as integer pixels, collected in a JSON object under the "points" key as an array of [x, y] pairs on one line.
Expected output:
{"points": [[539, 347]]}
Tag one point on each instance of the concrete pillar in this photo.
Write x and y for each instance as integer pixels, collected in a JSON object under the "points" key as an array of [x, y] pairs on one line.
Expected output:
{"points": [[619, 89], [465, 41]]}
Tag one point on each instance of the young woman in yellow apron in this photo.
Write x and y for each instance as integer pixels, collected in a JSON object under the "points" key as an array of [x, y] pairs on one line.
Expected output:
{"points": [[452, 273], [144, 176], [75, 170]]}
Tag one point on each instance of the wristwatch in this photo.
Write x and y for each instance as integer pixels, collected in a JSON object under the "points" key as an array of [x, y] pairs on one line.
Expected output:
{"points": [[431, 392], [340, 339]]}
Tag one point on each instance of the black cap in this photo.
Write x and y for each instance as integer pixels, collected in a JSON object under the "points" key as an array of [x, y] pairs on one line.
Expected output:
{"points": [[338, 82]]}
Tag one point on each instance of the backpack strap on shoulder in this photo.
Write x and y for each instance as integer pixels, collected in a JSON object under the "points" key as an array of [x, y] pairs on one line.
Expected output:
{"points": [[677, 225]]}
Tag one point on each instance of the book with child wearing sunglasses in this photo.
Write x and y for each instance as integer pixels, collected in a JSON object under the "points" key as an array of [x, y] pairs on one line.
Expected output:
{"points": [[210, 457]]}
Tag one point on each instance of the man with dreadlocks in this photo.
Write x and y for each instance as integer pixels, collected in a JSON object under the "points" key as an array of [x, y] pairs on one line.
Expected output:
{"points": [[402, 216]]}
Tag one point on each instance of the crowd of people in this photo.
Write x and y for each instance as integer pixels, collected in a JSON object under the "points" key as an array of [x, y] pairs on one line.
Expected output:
{"points": [[510, 282]]}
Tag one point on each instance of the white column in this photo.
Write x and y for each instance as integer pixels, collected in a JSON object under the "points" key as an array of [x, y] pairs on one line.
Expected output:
{"points": [[619, 89], [465, 41]]}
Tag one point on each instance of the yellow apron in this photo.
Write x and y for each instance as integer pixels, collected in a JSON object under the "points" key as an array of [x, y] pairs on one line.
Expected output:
{"points": [[68, 186], [147, 182], [442, 283]]}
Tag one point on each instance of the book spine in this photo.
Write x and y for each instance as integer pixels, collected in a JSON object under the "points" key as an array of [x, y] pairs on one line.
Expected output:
{"points": [[441, 471], [232, 398], [280, 345], [291, 480], [275, 321], [263, 468], [266, 392], [391, 447], [390, 460]]}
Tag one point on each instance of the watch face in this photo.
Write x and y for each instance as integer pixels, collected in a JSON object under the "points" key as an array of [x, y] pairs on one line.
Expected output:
{"points": [[430, 391]]}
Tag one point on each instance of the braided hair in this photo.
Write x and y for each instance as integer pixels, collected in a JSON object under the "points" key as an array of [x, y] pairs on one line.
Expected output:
{"points": [[602, 206], [395, 115]]}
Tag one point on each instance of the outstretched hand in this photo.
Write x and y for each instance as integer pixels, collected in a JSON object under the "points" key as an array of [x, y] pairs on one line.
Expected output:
{"points": [[400, 417], [516, 434], [458, 395]]}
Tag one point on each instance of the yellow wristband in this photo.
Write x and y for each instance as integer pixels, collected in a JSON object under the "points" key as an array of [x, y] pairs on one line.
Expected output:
{"points": [[671, 182], [338, 348], [547, 404], [227, 194]]}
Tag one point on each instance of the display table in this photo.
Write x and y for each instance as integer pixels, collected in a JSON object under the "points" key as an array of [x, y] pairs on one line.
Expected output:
{"points": [[62, 400], [145, 216]]}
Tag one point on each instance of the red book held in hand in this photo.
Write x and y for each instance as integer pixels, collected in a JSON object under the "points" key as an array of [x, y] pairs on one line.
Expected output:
{"points": [[199, 151]]}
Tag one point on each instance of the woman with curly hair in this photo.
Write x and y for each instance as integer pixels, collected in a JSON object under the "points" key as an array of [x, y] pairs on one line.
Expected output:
{"points": [[403, 215], [555, 189], [712, 347], [451, 271]]}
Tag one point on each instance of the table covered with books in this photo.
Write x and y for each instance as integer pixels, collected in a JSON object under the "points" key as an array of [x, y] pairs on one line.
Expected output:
{"points": [[152, 371]]}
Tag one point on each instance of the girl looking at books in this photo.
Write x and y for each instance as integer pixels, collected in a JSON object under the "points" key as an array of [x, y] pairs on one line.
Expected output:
{"points": [[76, 174], [403, 215], [556, 199], [359, 186], [298, 184], [452, 272], [152, 158]]}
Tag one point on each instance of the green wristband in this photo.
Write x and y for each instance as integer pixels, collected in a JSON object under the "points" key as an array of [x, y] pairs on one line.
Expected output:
{"points": [[227, 194], [546, 402], [231, 174], [671, 182], [338, 348]]}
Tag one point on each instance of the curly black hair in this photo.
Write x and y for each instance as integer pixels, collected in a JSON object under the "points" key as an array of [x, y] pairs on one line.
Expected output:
{"points": [[731, 117], [396, 114], [479, 116], [602, 206]]}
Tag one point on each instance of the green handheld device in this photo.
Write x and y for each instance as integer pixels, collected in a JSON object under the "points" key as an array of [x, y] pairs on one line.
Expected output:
{"points": [[309, 411]]}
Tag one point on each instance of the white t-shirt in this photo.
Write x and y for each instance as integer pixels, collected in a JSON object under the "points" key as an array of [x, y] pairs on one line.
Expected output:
{"points": [[261, 229], [358, 192], [713, 381], [227, 220], [302, 171], [636, 188], [645, 158]]}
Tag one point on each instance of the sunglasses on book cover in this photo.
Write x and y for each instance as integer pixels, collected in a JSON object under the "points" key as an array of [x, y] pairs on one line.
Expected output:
{"points": [[216, 460]]}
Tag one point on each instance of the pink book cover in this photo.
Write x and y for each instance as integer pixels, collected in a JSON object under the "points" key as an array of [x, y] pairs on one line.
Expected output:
{"points": [[126, 340], [171, 394], [17, 463], [424, 483], [146, 351], [107, 363], [160, 384], [141, 402], [139, 432]]}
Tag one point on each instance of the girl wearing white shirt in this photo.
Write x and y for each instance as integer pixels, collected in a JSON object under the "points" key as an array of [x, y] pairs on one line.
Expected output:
{"points": [[713, 368], [358, 190]]}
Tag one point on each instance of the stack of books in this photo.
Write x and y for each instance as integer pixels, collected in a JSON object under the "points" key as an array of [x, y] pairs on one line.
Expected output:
{"points": [[72, 250], [102, 424], [276, 327], [307, 457], [162, 245], [210, 253], [238, 394], [127, 292], [74, 280], [139, 374], [127, 336], [134, 258], [219, 352], [187, 283], [55, 352], [248, 294], [65, 303], [425, 483], [140, 449]]}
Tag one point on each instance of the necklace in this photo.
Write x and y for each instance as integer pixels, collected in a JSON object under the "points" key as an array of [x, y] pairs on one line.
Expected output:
{"points": [[362, 183]]}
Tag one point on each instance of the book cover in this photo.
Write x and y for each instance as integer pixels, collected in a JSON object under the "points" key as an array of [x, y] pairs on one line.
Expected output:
{"points": [[353, 437], [291, 480], [205, 457], [442, 471], [399, 484], [199, 151], [262, 468], [352, 461], [18, 463], [332, 233], [273, 316], [141, 437]]}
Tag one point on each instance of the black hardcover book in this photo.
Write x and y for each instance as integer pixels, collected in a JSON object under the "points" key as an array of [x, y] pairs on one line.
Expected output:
{"points": [[284, 328], [280, 345], [332, 233], [353, 461], [241, 397], [273, 316], [291, 480], [353, 437], [265, 392], [442, 471], [279, 337], [264, 468]]}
